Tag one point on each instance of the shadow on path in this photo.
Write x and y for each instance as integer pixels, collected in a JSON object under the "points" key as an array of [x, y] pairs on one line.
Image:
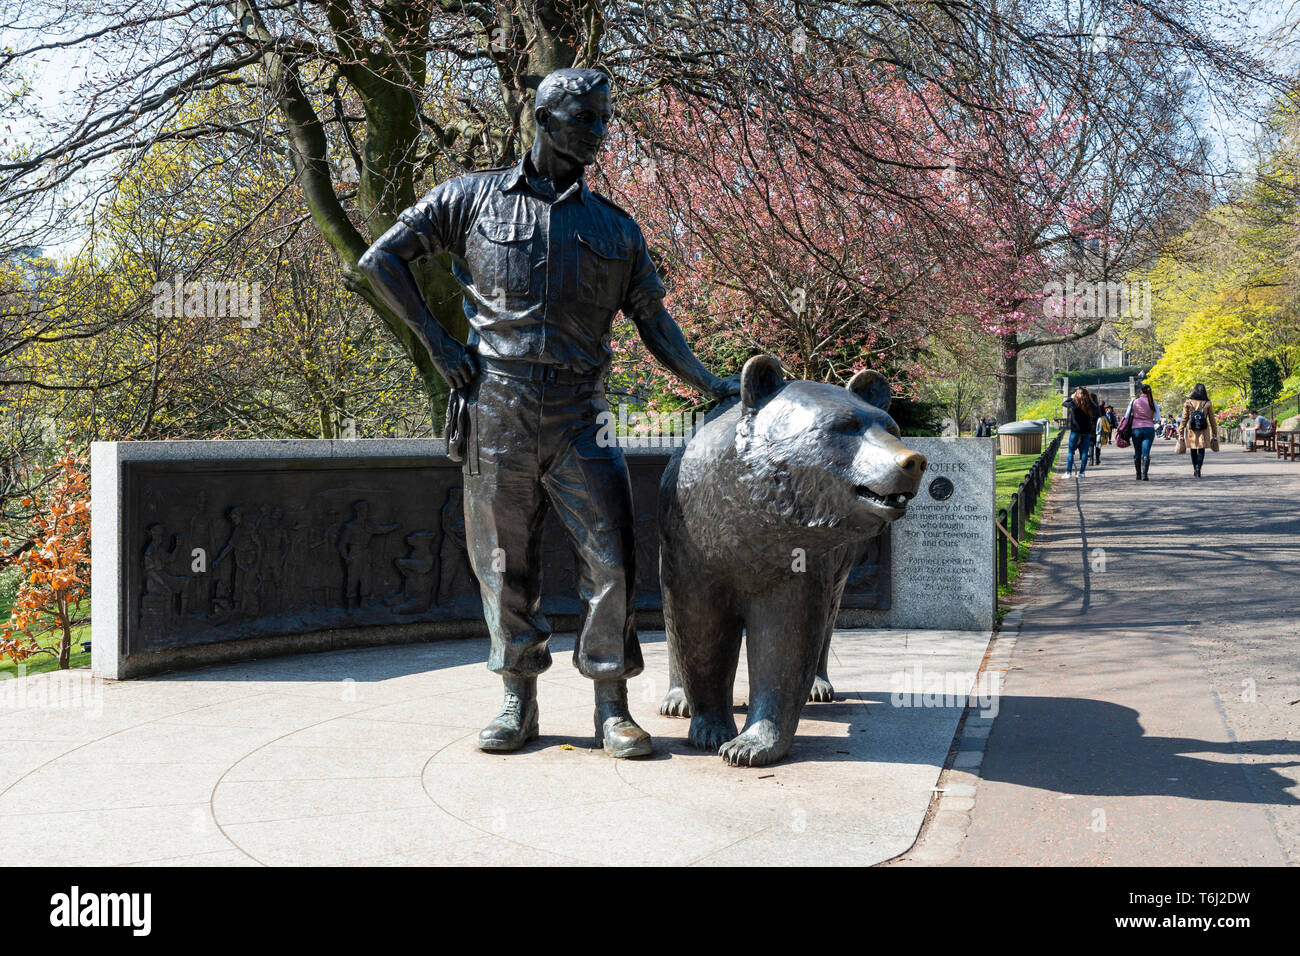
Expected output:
{"points": [[1081, 746]]}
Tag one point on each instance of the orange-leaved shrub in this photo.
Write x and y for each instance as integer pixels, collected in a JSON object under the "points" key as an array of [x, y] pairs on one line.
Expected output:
{"points": [[55, 568]]}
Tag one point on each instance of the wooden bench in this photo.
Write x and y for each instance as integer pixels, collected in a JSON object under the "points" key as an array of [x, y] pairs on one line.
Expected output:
{"points": [[1264, 439], [1287, 445]]}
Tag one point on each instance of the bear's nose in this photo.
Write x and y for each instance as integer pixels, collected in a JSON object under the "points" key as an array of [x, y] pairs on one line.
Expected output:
{"points": [[912, 462]]}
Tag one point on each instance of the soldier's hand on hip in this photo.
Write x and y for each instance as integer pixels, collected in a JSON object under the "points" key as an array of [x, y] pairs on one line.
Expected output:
{"points": [[462, 375]]}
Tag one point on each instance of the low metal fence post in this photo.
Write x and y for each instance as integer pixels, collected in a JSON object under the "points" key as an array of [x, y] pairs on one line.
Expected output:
{"points": [[1002, 548], [1013, 518], [1026, 505]]}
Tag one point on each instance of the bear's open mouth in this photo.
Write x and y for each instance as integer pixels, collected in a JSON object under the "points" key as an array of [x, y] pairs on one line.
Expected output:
{"points": [[898, 500]]}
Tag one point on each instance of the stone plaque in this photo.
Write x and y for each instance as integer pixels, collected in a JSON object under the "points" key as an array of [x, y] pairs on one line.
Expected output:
{"points": [[944, 574]]}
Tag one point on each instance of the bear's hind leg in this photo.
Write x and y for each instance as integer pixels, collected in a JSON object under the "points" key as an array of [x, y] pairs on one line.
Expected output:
{"points": [[822, 692], [674, 703], [706, 650], [674, 597]]}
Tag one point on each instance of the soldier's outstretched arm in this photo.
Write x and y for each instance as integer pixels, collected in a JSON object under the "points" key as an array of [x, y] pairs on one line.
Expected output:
{"points": [[387, 266], [664, 338]]}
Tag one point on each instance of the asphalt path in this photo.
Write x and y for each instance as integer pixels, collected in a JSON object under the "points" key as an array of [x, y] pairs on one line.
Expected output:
{"points": [[1151, 712]]}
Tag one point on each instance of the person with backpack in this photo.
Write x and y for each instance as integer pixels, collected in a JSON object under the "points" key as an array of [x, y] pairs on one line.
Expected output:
{"points": [[1081, 419], [1102, 436], [1197, 428], [1140, 419]]}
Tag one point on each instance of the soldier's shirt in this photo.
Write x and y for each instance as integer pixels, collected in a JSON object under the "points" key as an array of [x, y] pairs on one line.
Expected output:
{"points": [[544, 275]]}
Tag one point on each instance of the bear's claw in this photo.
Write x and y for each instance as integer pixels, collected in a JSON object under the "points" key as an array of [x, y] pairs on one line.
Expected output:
{"points": [[822, 692], [674, 703], [710, 731], [758, 746]]}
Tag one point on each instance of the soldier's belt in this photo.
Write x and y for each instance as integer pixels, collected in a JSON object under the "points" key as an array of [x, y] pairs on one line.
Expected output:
{"points": [[535, 372]]}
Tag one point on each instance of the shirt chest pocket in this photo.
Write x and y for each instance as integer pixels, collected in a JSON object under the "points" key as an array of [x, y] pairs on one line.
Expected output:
{"points": [[602, 270], [502, 256]]}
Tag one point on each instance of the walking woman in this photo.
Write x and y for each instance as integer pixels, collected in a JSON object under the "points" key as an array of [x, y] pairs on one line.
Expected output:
{"points": [[1102, 436], [1198, 428], [1143, 415], [1081, 419]]}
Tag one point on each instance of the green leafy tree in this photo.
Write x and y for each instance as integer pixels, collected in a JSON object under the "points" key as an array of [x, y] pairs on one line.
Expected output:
{"points": [[1265, 381]]}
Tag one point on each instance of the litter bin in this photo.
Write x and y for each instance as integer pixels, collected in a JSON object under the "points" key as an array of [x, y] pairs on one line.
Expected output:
{"points": [[1020, 438]]}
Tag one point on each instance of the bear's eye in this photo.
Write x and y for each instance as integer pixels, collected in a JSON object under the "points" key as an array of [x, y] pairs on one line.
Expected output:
{"points": [[846, 426]]}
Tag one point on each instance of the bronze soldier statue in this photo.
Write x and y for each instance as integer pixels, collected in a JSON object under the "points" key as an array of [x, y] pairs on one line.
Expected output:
{"points": [[545, 265]]}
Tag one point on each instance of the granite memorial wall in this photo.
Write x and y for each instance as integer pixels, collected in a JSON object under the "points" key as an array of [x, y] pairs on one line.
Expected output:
{"points": [[212, 551]]}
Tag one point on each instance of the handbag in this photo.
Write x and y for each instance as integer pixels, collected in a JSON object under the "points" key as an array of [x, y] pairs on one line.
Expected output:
{"points": [[1124, 434], [1214, 444], [1126, 429], [1181, 448]]}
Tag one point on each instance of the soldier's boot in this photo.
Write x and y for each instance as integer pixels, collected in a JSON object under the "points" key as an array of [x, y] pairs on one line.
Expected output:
{"points": [[614, 724], [517, 722], [1146, 468]]}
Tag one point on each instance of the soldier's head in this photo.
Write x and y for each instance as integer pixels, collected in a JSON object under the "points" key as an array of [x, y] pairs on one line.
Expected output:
{"points": [[573, 112]]}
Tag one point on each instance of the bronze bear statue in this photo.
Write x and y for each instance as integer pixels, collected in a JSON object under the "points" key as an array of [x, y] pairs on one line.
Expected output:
{"points": [[762, 515]]}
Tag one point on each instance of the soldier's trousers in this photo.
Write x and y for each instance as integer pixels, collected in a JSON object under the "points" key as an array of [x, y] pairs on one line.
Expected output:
{"points": [[533, 446]]}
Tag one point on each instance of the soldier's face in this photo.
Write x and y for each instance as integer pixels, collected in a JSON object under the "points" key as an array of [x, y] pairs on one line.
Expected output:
{"points": [[578, 125]]}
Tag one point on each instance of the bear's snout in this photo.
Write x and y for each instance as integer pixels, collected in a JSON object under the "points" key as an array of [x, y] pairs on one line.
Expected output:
{"points": [[912, 464]]}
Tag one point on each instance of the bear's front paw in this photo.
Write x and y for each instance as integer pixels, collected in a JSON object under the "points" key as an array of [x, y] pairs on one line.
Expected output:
{"points": [[674, 703], [758, 746], [822, 692], [709, 731]]}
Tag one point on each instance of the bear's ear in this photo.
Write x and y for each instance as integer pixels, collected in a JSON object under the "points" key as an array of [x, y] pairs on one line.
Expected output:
{"points": [[759, 380], [872, 387]]}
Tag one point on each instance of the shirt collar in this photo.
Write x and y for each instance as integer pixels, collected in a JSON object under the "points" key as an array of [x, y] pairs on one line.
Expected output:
{"points": [[523, 173]]}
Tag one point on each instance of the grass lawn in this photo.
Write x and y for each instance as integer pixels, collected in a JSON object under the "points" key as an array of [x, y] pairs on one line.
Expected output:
{"points": [[41, 664], [1010, 470]]}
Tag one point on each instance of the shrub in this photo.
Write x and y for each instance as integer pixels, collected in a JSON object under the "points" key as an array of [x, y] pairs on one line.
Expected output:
{"points": [[55, 570]]}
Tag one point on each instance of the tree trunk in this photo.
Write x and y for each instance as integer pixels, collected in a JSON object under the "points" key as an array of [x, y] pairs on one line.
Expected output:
{"points": [[65, 647], [1011, 345], [1008, 365]]}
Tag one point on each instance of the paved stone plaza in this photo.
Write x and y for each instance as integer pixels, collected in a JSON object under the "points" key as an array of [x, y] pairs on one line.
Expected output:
{"points": [[368, 757]]}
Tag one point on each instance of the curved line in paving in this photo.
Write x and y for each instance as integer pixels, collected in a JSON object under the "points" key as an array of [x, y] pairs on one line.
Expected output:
{"points": [[473, 826], [351, 714], [120, 730], [845, 696]]}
